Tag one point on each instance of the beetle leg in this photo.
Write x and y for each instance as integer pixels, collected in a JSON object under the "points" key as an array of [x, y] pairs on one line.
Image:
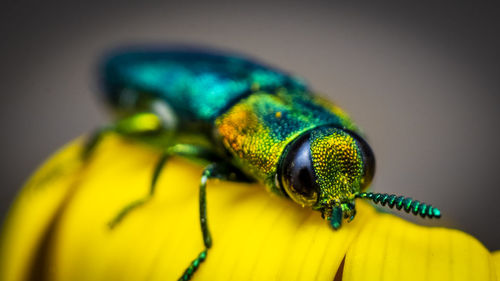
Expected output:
{"points": [[184, 150], [131, 206], [222, 171], [92, 142], [139, 124]]}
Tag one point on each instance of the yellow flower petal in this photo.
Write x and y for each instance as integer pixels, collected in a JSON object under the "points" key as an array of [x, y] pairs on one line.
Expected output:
{"points": [[390, 248], [38, 203], [256, 236], [496, 262]]}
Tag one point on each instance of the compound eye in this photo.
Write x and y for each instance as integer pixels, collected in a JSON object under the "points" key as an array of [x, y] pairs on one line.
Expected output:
{"points": [[297, 176], [368, 160]]}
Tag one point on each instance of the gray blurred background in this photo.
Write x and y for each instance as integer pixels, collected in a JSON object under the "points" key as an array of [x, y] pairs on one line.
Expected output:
{"points": [[422, 80]]}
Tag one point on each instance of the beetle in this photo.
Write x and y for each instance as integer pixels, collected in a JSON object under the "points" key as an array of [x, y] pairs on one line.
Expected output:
{"points": [[247, 122]]}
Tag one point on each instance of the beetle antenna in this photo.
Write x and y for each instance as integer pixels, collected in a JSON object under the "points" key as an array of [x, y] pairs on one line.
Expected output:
{"points": [[401, 202]]}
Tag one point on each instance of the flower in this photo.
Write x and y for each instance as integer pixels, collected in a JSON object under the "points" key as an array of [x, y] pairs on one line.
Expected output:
{"points": [[57, 230]]}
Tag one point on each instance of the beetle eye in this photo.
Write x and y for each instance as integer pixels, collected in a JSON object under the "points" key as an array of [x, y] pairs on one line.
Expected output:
{"points": [[297, 176], [368, 160]]}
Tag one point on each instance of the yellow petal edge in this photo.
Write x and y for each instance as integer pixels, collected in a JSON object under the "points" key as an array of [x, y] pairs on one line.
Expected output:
{"points": [[57, 230]]}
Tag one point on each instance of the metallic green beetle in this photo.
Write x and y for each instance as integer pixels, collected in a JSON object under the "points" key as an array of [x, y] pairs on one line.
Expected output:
{"points": [[248, 122]]}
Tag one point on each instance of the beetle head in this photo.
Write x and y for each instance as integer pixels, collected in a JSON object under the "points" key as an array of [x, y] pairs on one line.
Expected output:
{"points": [[325, 169]]}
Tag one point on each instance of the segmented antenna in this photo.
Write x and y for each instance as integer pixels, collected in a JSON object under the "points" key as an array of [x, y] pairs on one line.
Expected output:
{"points": [[401, 202]]}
